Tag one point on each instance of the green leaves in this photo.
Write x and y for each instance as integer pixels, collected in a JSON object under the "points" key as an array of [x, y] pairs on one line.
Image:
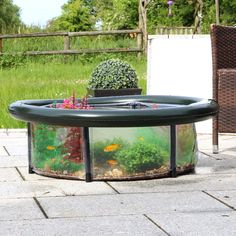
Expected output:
{"points": [[118, 14], [77, 15], [113, 74], [9, 17], [140, 157]]}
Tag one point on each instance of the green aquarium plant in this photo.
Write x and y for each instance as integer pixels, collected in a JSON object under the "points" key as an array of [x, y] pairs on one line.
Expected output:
{"points": [[113, 74], [141, 157], [50, 151]]}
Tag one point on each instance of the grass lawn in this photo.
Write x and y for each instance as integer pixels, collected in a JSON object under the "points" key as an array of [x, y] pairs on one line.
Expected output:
{"points": [[50, 80]]}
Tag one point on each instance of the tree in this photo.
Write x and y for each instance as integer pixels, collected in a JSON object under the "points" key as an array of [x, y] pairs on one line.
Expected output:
{"points": [[9, 17], [157, 14], [227, 12], [77, 15], [117, 14]]}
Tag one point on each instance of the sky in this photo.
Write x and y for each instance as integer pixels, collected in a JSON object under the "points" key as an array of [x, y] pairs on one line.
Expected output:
{"points": [[38, 12]]}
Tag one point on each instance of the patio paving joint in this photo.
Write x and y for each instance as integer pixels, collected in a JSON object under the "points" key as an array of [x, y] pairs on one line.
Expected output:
{"points": [[219, 200], [5, 149], [20, 174], [213, 156], [112, 187], [40, 207], [153, 222]]}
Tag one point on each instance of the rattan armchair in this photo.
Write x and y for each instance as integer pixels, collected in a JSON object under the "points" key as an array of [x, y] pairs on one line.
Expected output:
{"points": [[223, 41]]}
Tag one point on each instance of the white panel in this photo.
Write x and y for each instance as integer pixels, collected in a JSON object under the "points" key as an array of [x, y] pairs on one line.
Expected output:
{"points": [[181, 65]]}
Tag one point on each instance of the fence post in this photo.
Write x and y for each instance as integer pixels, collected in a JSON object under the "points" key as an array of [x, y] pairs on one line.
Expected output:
{"points": [[1, 46], [140, 43], [67, 42]]}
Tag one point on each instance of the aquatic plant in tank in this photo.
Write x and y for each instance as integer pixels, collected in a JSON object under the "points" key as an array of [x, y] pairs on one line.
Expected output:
{"points": [[58, 150], [139, 151]]}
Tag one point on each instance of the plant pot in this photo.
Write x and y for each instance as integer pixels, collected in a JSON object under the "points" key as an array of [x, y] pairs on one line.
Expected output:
{"points": [[114, 92]]}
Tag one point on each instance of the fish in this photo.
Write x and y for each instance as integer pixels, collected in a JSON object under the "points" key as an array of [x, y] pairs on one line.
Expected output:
{"points": [[111, 148], [141, 138], [111, 162], [50, 148]]}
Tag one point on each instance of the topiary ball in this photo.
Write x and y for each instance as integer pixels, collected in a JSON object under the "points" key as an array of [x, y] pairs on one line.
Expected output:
{"points": [[113, 74]]}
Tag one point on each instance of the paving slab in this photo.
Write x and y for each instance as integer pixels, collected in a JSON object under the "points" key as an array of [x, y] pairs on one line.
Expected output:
{"points": [[216, 164], [202, 203], [128, 225], [9, 175], [228, 197], [8, 141], [190, 182], [3, 130], [226, 142], [3, 133], [13, 161], [69, 187], [3, 151], [121, 204], [24, 170], [52, 187], [28, 189], [220, 223], [15, 209], [72, 187], [17, 132], [17, 149]]}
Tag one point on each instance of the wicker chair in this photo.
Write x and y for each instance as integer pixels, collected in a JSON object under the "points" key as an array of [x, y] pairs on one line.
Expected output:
{"points": [[223, 40]]}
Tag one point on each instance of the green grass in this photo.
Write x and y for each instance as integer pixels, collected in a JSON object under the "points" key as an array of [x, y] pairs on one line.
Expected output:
{"points": [[57, 43], [52, 79]]}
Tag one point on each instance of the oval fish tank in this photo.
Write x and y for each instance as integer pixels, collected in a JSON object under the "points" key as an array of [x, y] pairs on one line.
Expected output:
{"points": [[118, 138]]}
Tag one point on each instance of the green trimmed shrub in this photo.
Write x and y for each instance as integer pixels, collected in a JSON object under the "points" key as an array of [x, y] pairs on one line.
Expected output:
{"points": [[113, 74]]}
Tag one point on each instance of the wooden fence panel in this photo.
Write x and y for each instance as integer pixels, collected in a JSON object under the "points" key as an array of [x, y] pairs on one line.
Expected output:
{"points": [[174, 30], [67, 46]]}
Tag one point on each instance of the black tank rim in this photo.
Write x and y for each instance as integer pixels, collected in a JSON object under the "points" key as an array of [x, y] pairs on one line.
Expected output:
{"points": [[187, 110]]}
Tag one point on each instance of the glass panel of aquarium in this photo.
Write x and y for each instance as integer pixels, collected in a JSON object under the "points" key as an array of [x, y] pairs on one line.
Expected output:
{"points": [[57, 151], [186, 147], [123, 153]]}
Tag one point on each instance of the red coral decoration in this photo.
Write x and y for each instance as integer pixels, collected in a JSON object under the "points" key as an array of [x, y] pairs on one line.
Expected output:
{"points": [[72, 145], [73, 103]]}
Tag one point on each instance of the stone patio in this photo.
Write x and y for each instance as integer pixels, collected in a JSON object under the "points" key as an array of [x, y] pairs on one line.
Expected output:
{"points": [[201, 203]]}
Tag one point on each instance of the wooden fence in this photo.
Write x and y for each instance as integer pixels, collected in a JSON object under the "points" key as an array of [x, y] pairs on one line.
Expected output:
{"points": [[175, 30], [67, 45]]}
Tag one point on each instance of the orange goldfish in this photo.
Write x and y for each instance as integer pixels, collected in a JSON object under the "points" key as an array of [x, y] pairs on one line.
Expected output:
{"points": [[51, 148], [112, 162], [111, 148]]}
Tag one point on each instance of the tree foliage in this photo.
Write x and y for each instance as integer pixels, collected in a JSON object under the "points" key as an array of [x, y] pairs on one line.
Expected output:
{"points": [[9, 17], [117, 14], [77, 15], [227, 12], [157, 13]]}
